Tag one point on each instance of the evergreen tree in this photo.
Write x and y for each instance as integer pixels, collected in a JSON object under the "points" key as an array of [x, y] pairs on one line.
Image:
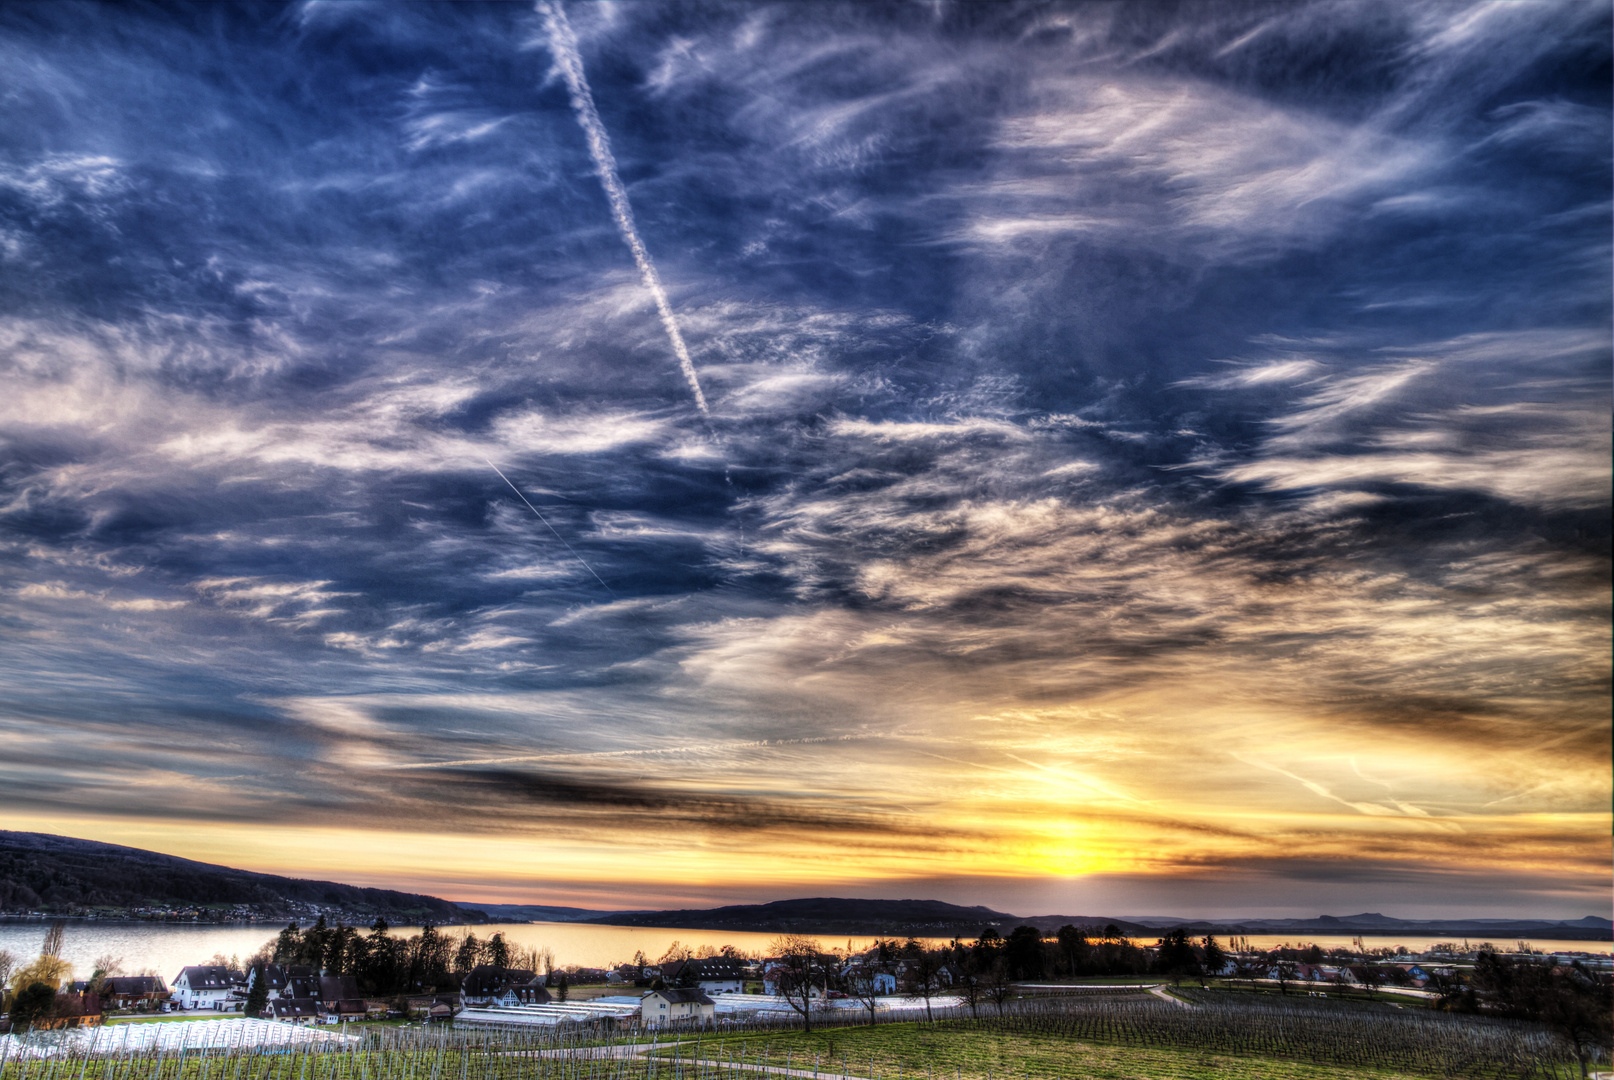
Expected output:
{"points": [[1213, 957], [1023, 952], [1073, 949], [498, 951], [1174, 956], [32, 1003], [288, 943], [258, 992]]}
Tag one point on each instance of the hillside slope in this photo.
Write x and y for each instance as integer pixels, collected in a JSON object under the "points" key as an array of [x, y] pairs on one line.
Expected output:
{"points": [[60, 874]]}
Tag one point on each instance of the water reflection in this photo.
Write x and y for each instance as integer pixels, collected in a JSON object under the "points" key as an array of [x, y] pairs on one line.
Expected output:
{"points": [[167, 948]]}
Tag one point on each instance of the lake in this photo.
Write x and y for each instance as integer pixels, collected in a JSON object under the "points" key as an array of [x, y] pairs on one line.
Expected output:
{"points": [[165, 948]]}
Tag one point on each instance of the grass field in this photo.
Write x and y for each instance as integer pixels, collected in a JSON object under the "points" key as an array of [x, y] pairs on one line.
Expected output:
{"points": [[958, 1052], [168, 1018]]}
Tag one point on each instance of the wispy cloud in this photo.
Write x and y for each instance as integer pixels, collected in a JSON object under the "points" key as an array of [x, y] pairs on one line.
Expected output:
{"points": [[1100, 396]]}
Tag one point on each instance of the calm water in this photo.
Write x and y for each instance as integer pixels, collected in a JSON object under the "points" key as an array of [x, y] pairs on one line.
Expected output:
{"points": [[166, 949]]}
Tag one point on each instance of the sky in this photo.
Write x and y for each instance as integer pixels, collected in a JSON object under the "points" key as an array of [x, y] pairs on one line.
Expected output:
{"points": [[1074, 458]]}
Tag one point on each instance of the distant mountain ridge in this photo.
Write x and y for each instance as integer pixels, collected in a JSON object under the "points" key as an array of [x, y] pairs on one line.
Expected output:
{"points": [[64, 875], [935, 918], [540, 913], [1371, 924], [825, 915]]}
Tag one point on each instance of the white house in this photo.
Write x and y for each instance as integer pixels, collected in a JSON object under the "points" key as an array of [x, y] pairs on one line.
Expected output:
{"points": [[207, 986], [715, 974], [280, 979], [882, 982], [672, 1006]]}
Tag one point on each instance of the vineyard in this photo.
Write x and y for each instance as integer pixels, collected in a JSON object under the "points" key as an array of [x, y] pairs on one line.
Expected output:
{"points": [[1229, 1036]]}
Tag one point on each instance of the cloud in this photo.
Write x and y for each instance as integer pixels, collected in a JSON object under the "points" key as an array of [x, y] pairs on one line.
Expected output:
{"points": [[1099, 397]]}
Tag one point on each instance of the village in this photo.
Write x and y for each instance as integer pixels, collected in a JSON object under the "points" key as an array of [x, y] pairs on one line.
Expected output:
{"points": [[331, 975]]}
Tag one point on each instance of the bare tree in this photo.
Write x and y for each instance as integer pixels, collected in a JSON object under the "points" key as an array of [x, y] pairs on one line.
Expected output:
{"points": [[527, 958], [864, 981], [8, 964], [53, 939], [546, 959], [999, 985], [925, 978], [106, 967], [799, 974], [969, 985]]}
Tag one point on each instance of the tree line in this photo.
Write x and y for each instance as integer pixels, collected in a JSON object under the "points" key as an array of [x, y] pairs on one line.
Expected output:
{"points": [[385, 965]]}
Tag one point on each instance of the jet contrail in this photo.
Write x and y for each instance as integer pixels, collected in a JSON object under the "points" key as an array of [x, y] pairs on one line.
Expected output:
{"points": [[570, 61], [551, 528]]}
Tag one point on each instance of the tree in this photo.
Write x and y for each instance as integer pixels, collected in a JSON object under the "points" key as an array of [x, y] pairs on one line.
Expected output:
{"points": [[1285, 971], [562, 987], [1023, 951], [258, 992], [290, 942], [106, 966], [969, 985], [1072, 948], [1576, 1003], [53, 938], [864, 982], [1174, 957], [498, 951], [468, 955], [429, 962], [34, 1001], [315, 945], [925, 978], [1213, 958], [342, 948], [53, 971], [999, 984], [8, 964], [799, 973]]}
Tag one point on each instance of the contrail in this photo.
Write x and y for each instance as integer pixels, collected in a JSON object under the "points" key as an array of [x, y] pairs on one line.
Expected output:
{"points": [[570, 62], [551, 528]]}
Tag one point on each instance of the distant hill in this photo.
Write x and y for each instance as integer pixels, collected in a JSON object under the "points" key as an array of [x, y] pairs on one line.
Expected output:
{"points": [[541, 913], [824, 915], [63, 875], [1367, 924]]}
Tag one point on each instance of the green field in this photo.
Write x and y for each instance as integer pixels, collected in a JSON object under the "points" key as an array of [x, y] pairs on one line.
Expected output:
{"points": [[956, 1052]]}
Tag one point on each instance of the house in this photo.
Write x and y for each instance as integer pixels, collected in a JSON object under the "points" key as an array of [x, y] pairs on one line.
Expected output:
{"points": [[293, 1010], [208, 986], [486, 985], [660, 1008], [339, 998], [714, 975], [278, 977], [134, 992], [859, 975], [301, 986], [1415, 973]]}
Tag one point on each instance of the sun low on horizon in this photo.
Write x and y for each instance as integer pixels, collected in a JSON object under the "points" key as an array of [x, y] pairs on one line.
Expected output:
{"points": [[1071, 458]]}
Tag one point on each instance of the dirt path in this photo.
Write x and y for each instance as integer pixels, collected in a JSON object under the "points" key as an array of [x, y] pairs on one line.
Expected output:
{"points": [[1161, 993]]}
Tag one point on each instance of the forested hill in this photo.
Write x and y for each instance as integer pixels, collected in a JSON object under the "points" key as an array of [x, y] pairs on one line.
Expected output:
{"points": [[63, 875], [822, 915]]}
